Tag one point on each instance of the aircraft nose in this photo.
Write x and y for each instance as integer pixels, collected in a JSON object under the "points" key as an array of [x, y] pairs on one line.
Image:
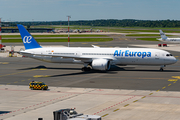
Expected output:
{"points": [[174, 60]]}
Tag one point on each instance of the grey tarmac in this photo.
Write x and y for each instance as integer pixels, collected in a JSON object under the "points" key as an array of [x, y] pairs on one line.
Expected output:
{"points": [[124, 92]]}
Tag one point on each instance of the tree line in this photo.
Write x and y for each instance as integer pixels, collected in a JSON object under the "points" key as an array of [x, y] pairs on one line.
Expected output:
{"points": [[109, 22]]}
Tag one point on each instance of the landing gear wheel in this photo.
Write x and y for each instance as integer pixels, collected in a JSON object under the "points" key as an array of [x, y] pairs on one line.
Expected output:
{"points": [[86, 69], [162, 67]]}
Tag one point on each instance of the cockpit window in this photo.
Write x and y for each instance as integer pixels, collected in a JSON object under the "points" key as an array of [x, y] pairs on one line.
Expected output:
{"points": [[169, 55]]}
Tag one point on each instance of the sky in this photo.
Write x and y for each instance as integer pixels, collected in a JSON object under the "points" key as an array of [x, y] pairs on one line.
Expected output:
{"points": [[55, 10]]}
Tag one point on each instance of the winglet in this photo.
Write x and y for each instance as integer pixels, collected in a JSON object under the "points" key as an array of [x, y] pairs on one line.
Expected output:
{"points": [[28, 41]]}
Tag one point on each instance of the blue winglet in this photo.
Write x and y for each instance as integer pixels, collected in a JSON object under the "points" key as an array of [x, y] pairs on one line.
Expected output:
{"points": [[28, 41]]}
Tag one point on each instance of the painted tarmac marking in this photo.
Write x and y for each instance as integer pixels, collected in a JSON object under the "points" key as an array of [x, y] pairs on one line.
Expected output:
{"points": [[19, 81], [169, 85], [41, 76], [43, 69], [94, 94], [143, 97], [164, 87], [28, 107], [178, 77], [38, 76], [126, 105], [172, 80], [114, 105], [115, 110], [47, 76], [127, 77], [17, 73], [135, 101], [105, 115], [5, 63], [175, 80], [136, 78], [99, 90]]}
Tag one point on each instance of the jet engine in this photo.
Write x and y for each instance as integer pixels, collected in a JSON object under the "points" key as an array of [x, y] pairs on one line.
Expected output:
{"points": [[101, 64]]}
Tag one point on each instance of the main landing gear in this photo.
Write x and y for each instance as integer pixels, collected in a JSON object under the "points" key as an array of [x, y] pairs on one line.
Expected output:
{"points": [[86, 69], [162, 67]]}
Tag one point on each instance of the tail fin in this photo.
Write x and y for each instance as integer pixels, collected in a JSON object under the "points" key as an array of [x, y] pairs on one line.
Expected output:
{"points": [[163, 36], [28, 40]]}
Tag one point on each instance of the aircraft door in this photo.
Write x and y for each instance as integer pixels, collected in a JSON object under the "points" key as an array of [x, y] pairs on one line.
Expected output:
{"points": [[157, 59], [78, 53], [157, 55]]}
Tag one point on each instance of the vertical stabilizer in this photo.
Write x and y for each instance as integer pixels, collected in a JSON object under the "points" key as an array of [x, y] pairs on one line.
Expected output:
{"points": [[28, 41], [163, 36]]}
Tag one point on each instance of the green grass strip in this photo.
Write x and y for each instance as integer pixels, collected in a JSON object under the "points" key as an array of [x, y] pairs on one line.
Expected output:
{"points": [[148, 39], [62, 40]]}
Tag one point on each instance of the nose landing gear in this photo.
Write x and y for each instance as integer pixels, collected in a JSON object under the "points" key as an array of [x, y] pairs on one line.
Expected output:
{"points": [[162, 67]]}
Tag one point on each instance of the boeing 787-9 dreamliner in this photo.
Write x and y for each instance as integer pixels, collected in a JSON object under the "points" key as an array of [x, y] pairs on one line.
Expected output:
{"points": [[95, 57]]}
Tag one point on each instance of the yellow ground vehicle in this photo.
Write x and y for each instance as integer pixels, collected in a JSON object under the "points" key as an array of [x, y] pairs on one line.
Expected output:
{"points": [[35, 85]]}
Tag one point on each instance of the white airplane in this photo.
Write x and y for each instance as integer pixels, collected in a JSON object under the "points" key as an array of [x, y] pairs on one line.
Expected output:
{"points": [[165, 38], [95, 57]]}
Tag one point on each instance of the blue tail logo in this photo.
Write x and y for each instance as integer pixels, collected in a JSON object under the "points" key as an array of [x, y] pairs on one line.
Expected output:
{"points": [[28, 40]]}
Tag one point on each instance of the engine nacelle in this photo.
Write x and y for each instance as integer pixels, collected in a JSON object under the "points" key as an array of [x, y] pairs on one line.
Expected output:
{"points": [[101, 64]]}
